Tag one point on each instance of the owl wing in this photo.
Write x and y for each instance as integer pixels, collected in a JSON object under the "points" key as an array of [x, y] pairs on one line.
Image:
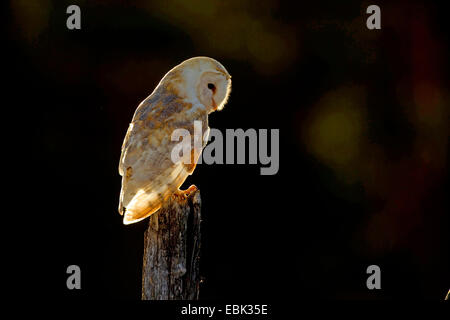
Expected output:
{"points": [[149, 176]]}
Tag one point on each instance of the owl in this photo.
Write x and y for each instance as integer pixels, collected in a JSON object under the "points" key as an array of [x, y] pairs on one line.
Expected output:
{"points": [[187, 93]]}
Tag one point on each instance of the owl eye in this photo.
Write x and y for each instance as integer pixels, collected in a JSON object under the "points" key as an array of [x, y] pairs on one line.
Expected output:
{"points": [[212, 87]]}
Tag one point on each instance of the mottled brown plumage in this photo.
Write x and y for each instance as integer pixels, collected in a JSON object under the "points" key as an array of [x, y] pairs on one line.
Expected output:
{"points": [[187, 93]]}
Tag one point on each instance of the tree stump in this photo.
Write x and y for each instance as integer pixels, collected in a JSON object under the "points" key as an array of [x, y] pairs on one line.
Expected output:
{"points": [[172, 251]]}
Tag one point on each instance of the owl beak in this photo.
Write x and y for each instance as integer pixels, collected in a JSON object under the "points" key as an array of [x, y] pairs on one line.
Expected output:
{"points": [[214, 105]]}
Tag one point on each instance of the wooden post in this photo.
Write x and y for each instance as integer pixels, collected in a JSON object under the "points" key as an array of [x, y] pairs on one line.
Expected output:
{"points": [[170, 268]]}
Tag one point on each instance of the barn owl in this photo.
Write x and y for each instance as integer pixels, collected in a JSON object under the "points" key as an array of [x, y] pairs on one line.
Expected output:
{"points": [[187, 93]]}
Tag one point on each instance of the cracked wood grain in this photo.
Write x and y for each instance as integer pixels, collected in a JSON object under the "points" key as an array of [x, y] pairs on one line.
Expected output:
{"points": [[172, 251]]}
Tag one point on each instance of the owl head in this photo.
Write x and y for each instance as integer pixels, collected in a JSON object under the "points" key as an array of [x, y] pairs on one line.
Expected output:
{"points": [[205, 80]]}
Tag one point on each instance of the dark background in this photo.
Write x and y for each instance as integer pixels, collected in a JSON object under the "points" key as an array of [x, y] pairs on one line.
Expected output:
{"points": [[363, 119]]}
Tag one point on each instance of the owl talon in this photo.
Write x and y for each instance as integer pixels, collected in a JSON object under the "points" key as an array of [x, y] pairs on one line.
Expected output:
{"points": [[190, 190], [184, 194]]}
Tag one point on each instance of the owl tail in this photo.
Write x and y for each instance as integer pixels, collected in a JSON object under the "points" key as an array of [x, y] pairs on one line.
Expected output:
{"points": [[130, 217], [141, 205], [138, 207], [138, 203]]}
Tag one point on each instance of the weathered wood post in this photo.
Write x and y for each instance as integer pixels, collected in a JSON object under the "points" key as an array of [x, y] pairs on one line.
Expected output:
{"points": [[171, 260]]}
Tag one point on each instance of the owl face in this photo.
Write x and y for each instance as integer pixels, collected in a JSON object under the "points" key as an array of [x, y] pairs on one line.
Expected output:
{"points": [[213, 89], [205, 80]]}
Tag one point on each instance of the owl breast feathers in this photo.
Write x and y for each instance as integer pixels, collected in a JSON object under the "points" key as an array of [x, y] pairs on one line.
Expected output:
{"points": [[187, 93]]}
